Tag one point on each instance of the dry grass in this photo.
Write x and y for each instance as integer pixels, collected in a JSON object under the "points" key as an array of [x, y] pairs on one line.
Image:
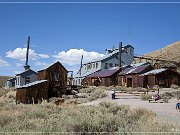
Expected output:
{"points": [[170, 52], [106, 117]]}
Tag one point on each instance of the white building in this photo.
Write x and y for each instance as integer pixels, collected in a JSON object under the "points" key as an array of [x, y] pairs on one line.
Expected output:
{"points": [[111, 59]]}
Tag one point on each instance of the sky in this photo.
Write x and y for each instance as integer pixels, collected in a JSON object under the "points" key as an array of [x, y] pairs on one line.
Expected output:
{"points": [[64, 31]]}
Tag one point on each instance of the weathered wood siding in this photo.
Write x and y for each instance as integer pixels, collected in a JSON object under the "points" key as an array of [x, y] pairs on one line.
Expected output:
{"points": [[33, 94]]}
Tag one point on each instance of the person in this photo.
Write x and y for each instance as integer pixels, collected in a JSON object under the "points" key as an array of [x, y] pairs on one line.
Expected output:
{"points": [[157, 97], [113, 94], [178, 106]]}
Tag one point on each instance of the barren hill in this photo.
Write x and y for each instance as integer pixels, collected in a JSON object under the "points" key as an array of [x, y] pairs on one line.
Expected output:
{"points": [[170, 52]]}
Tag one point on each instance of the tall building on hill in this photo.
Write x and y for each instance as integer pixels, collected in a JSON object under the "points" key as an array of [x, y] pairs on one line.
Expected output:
{"points": [[110, 60]]}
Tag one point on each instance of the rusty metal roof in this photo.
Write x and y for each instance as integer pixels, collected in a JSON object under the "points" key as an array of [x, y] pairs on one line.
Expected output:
{"points": [[135, 69], [105, 72], [155, 71]]}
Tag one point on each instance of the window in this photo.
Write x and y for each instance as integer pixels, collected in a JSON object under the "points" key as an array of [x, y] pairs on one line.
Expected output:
{"points": [[110, 65], [116, 65], [56, 76], [79, 81], [106, 65], [96, 65], [27, 80]]}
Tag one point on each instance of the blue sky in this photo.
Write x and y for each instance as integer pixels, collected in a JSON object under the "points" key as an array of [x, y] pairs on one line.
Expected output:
{"points": [[57, 28]]}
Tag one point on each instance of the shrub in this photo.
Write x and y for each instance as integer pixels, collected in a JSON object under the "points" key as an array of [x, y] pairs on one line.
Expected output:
{"points": [[174, 86], [146, 97], [106, 117]]}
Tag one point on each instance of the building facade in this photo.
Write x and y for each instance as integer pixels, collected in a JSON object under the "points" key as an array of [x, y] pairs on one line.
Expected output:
{"points": [[25, 77], [110, 60]]}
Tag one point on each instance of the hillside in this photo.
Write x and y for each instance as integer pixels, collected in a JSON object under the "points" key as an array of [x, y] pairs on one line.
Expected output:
{"points": [[3, 79], [170, 52]]}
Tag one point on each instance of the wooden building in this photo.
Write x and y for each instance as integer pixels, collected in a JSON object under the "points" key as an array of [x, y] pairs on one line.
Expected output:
{"points": [[33, 92], [131, 76], [163, 77], [56, 75], [106, 77], [52, 82]]}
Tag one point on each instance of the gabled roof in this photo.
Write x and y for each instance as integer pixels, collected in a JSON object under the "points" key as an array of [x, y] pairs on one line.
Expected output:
{"points": [[51, 66], [11, 79], [105, 72], [33, 83], [26, 73]]}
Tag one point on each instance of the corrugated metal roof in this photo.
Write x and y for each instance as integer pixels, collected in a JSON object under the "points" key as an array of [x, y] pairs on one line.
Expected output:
{"points": [[155, 71], [135, 69], [33, 83], [105, 72]]}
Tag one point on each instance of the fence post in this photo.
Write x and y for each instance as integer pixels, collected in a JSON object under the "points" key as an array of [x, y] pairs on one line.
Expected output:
{"points": [[178, 95]]}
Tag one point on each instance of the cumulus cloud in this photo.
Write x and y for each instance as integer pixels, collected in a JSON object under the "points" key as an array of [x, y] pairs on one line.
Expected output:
{"points": [[73, 56], [3, 63], [20, 54], [38, 63], [17, 72], [45, 56], [18, 64]]}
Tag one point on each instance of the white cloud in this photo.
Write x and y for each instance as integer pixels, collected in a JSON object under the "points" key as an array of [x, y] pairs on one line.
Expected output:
{"points": [[3, 63], [20, 54], [73, 56], [18, 64], [45, 56], [38, 63], [17, 72]]}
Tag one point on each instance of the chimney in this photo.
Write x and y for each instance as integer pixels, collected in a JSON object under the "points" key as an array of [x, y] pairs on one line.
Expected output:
{"points": [[26, 66], [120, 51], [81, 64]]}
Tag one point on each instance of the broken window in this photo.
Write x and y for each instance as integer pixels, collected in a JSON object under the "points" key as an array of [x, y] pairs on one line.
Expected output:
{"points": [[56, 76]]}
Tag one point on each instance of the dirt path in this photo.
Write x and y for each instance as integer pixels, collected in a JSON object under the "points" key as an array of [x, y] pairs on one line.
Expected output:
{"points": [[165, 111]]}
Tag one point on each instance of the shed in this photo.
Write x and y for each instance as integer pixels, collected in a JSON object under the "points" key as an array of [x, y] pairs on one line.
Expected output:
{"points": [[56, 74], [10, 83], [32, 92], [130, 77], [163, 77], [106, 77]]}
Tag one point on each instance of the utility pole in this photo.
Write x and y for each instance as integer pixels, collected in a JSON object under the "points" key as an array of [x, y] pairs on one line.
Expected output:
{"points": [[120, 51]]}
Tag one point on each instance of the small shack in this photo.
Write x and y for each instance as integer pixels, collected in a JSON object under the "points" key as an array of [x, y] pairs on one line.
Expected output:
{"points": [[33, 92], [163, 77], [10, 83], [130, 76], [56, 75], [106, 77], [52, 82]]}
